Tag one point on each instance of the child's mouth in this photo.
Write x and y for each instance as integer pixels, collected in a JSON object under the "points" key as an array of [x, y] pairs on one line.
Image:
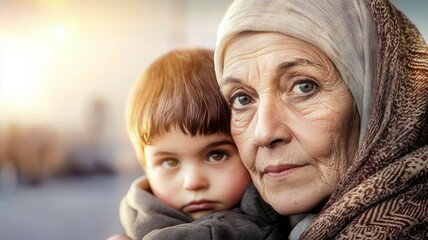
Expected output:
{"points": [[200, 205]]}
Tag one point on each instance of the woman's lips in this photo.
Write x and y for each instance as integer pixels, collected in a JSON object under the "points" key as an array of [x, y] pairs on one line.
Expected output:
{"points": [[200, 205], [279, 171]]}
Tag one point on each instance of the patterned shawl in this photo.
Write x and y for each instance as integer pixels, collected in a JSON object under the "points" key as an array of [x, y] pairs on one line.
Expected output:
{"points": [[384, 194]]}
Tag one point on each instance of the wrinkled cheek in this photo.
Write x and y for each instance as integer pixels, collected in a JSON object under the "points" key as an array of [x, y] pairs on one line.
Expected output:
{"points": [[241, 130], [242, 135], [239, 124]]}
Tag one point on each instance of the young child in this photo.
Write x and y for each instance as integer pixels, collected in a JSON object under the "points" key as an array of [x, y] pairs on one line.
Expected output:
{"points": [[178, 122]]}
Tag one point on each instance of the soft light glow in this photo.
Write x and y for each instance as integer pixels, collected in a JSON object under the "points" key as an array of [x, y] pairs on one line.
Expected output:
{"points": [[59, 33], [20, 69]]}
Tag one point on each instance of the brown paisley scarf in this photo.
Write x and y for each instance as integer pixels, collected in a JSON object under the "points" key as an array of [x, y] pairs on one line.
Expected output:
{"points": [[384, 194]]}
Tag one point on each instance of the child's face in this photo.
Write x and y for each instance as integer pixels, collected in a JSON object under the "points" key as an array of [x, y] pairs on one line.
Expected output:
{"points": [[196, 175]]}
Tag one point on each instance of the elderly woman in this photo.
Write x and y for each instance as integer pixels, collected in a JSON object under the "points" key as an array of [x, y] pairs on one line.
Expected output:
{"points": [[329, 113]]}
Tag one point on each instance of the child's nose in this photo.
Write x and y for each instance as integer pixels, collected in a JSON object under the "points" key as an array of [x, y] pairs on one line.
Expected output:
{"points": [[194, 180]]}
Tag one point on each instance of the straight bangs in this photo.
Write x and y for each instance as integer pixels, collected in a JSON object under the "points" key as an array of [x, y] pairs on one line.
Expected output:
{"points": [[180, 91]]}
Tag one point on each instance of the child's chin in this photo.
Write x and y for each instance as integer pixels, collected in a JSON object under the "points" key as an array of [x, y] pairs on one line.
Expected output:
{"points": [[199, 214]]}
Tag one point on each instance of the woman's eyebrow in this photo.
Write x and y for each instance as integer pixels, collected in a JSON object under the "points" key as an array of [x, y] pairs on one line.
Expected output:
{"points": [[229, 80], [296, 62]]}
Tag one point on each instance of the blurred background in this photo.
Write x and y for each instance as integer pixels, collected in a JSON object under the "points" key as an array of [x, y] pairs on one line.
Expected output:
{"points": [[66, 68]]}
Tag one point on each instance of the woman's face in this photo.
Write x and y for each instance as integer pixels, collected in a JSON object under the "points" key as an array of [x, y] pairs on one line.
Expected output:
{"points": [[293, 118]]}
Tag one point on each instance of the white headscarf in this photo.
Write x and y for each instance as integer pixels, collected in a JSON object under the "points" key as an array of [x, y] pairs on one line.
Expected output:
{"points": [[342, 29]]}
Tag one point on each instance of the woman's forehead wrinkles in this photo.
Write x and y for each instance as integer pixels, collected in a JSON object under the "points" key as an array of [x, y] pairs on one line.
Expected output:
{"points": [[283, 66], [297, 62]]}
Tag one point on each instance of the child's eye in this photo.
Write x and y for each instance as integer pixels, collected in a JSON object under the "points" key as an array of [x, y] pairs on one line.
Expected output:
{"points": [[170, 163], [217, 157]]}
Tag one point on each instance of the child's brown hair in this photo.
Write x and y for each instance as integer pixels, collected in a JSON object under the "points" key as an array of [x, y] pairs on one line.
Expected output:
{"points": [[178, 90]]}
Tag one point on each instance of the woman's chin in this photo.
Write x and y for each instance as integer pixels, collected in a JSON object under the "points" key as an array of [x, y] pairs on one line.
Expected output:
{"points": [[286, 209], [291, 203]]}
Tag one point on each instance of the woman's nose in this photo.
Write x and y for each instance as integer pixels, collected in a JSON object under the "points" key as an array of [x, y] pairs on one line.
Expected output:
{"points": [[194, 180], [271, 126]]}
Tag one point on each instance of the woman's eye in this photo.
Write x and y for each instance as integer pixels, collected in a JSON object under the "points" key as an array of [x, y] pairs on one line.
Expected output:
{"points": [[304, 87], [241, 100], [170, 163], [217, 157]]}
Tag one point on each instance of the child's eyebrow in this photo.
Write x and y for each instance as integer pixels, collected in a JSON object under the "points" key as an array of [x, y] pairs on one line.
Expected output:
{"points": [[208, 146], [219, 143], [163, 153]]}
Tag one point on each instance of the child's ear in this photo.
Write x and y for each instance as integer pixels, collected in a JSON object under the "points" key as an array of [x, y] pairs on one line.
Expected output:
{"points": [[141, 158], [143, 165]]}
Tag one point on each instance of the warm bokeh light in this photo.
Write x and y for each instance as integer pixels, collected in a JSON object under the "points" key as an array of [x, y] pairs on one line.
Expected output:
{"points": [[59, 33], [21, 67]]}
